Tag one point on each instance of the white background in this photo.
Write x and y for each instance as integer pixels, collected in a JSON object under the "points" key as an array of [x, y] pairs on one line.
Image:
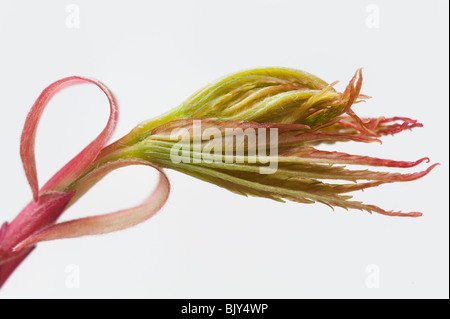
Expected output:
{"points": [[207, 242]]}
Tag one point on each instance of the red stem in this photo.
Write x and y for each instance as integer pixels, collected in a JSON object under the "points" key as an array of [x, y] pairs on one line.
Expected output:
{"points": [[34, 217]]}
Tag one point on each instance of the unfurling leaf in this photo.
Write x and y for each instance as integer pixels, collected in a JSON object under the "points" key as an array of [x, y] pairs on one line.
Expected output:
{"points": [[253, 133], [296, 171]]}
